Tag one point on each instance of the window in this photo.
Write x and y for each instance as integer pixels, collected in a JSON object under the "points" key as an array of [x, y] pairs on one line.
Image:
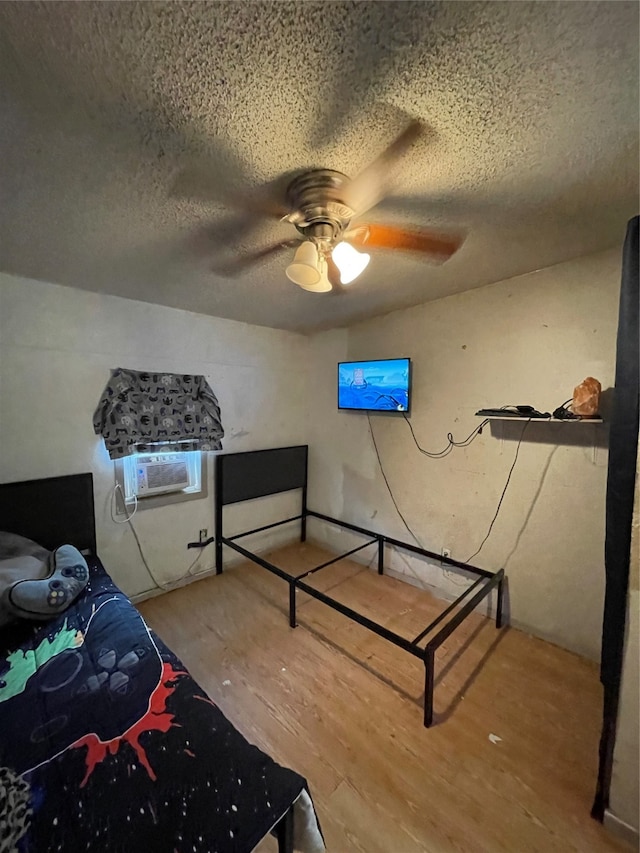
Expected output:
{"points": [[157, 479]]}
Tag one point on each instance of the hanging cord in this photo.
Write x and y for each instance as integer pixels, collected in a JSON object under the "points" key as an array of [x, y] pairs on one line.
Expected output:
{"points": [[172, 585], [395, 503], [468, 440], [451, 443], [447, 572], [504, 491], [404, 520], [127, 520]]}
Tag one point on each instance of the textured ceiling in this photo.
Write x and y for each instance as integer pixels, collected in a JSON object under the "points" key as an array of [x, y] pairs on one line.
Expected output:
{"points": [[532, 150]]}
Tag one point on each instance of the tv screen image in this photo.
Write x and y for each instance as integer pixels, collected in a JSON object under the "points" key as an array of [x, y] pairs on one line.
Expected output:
{"points": [[375, 386]]}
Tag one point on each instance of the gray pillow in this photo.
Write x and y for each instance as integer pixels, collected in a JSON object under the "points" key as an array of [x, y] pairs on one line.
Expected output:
{"points": [[16, 569], [12, 545], [20, 559], [43, 598]]}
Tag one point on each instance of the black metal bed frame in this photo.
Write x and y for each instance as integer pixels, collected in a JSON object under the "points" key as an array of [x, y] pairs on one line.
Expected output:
{"points": [[253, 474], [284, 831]]}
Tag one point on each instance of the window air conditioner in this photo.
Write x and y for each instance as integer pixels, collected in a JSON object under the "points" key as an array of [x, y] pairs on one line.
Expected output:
{"points": [[161, 473]]}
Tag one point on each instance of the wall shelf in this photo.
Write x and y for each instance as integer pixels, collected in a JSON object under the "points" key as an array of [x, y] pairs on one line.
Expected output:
{"points": [[569, 436], [542, 420]]}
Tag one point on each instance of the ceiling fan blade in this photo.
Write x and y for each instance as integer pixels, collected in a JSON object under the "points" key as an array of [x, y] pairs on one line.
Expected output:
{"points": [[440, 247], [226, 234], [374, 182], [240, 264], [202, 185]]}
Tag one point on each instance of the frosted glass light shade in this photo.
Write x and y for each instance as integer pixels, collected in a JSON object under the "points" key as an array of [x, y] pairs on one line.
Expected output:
{"points": [[323, 285], [349, 261], [303, 270]]}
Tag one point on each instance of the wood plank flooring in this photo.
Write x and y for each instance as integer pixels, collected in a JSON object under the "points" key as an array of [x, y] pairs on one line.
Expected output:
{"points": [[344, 708]]}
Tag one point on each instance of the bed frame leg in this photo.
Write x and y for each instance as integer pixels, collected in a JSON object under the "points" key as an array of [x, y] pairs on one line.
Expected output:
{"points": [[499, 604], [292, 605], [284, 832], [380, 555], [429, 663]]}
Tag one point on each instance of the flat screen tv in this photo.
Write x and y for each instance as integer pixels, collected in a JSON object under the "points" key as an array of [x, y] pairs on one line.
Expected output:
{"points": [[375, 386]]}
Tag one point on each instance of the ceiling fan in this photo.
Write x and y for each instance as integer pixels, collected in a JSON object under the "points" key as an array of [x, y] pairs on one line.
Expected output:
{"points": [[321, 204]]}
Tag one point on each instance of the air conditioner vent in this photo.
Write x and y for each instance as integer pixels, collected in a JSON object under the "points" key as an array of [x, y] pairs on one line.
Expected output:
{"points": [[161, 473]]}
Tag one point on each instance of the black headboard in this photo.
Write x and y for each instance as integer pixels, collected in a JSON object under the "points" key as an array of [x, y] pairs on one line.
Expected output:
{"points": [[256, 473], [53, 511]]}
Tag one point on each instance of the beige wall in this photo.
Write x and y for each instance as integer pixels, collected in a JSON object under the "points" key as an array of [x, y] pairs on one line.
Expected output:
{"points": [[57, 346], [525, 340], [625, 790]]}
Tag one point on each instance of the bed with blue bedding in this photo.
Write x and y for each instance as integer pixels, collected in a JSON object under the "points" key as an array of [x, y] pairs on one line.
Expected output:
{"points": [[107, 743]]}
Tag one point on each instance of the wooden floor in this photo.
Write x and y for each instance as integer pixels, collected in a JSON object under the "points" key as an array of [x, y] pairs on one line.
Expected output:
{"points": [[344, 708]]}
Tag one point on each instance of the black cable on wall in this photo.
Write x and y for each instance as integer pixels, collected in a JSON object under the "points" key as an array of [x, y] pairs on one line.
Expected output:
{"points": [[451, 444]]}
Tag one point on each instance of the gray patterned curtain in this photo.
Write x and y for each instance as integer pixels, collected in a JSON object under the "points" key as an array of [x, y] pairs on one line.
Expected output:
{"points": [[154, 412]]}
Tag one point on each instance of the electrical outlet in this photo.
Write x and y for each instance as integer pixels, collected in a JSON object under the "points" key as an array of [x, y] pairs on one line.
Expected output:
{"points": [[446, 552], [203, 534]]}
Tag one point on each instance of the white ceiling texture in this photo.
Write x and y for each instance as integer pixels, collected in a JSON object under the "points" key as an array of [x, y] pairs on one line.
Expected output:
{"points": [[530, 149]]}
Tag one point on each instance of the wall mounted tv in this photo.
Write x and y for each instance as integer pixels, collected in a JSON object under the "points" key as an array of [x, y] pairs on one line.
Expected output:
{"points": [[375, 386]]}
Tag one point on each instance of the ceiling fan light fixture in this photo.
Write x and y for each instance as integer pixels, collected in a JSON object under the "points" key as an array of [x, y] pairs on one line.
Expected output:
{"points": [[324, 285], [349, 261], [303, 270]]}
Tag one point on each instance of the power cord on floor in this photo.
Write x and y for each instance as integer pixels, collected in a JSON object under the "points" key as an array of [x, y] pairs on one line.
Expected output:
{"points": [[127, 520]]}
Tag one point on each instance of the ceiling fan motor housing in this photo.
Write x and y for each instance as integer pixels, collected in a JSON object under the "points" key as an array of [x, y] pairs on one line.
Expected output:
{"points": [[318, 211]]}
